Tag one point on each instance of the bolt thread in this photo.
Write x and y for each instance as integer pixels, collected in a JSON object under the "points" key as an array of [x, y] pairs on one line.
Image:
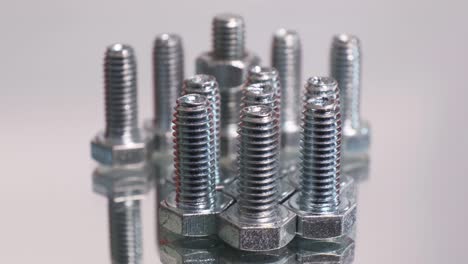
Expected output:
{"points": [[120, 84], [207, 86], [228, 37], [321, 155], [321, 87], [261, 94], [125, 232], [346, 69], [258, 163], [168, 74], [194, 153], [286, 59]]}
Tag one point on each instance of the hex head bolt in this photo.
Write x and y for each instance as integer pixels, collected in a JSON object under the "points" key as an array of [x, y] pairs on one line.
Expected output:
{"points": [[286, 58], [257, 222], [207, 86], [193, 208], [229, 63], [321, 212], [121, 150], [345, 67]]}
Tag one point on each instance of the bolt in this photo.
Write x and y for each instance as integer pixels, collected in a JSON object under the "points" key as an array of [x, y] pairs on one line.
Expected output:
{"points": [[346, 69], [121, 151], [207, 86], [193, 208], [321, 87], [257, 222], [229, 63], [121, 143], [168, 74], [322, 213], [287, 60]]}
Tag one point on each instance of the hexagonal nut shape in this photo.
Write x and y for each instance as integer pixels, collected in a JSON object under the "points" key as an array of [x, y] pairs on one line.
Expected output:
{"points": [[228, 73], [285, 189], [257, 236], [191, 250], [159, 140], [323, 226], [129, 182], [356, 142], [108, 152], [195, 223], [339, 251]]}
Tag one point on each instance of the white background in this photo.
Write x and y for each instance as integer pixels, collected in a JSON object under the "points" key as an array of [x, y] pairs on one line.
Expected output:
{"points": [[413, 209]]}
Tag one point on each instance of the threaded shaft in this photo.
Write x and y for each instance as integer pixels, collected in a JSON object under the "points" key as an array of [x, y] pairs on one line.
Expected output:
{"points": [[287, 60], [120, 83], [194, 153], [346, 69], [321, 87], [228, 37], [258, 163], [168, 74], [125, 232], [321, 155], [207, 86], [261, 94]]}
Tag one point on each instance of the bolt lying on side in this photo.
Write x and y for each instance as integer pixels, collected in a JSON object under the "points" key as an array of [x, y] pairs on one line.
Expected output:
{"points": [[321, 212], [193, 208]]}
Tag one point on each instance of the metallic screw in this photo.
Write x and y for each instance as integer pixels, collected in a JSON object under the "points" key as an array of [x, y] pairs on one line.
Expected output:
{"points": [[321, 156], [121, 93], [207, 86], [346, 69], [168, 74], [258, 163], [122, 131], [193, 208], [194, 153], [261, 94], [287, 60], [228, 37], [125, 231]]}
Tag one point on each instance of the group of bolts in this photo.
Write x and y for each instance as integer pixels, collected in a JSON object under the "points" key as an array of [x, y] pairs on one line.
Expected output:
{"points": [[230, 150]]}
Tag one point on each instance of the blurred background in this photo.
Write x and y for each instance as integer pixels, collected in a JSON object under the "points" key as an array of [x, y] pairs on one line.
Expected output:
{"points": [[412, 209]]}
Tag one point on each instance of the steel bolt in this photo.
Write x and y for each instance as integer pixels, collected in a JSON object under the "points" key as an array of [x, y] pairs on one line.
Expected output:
{"points": [[257, 222], [286, 58], [322, 212], [121, 152], [192, 209], [345, 67], [228, 62]]}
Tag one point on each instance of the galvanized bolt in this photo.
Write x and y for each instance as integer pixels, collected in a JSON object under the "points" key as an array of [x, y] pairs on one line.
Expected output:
{"points": [[228, 62], [121, 151], [257, 222], [168, 74], [192, 209], [321, 211], [207, 86], [286, 58], [345, 67]]}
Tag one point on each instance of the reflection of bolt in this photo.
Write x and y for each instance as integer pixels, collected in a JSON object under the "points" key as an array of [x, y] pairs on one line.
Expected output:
{"points": [[287, 60], [345, 67], [192, 209], [121, 148], [322, 213], [257, 222]]}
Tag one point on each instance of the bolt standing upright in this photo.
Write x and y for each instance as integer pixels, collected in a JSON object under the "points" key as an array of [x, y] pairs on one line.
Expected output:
{"points": [[286, 58], [345, 67], [321, 212], [257, 222], [193, 208], [229, 63], [121, 150]]}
